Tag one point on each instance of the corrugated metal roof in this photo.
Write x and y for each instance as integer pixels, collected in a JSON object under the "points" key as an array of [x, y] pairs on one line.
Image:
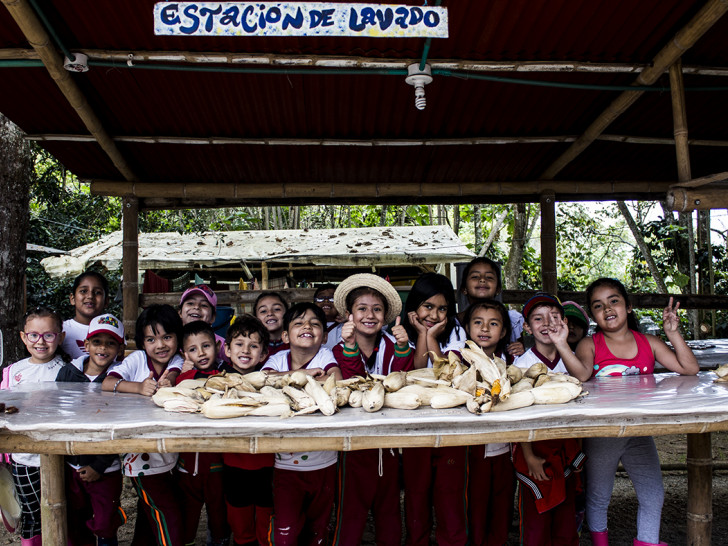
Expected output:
{"points": [[153, 103], [362, 247]]}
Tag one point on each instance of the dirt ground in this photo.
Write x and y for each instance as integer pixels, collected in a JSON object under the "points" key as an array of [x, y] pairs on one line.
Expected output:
{"points": [[622, 512]]}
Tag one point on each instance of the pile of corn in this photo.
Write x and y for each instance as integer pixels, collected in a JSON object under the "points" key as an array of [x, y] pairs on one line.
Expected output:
{"points": [[485, 385], [722, 373]]}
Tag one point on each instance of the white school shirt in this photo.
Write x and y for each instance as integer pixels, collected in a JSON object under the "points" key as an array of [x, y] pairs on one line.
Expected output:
{"points": [[75, 336], [24, 371], [303, 461], [516, 324], [529, 358], [136, 367], [334, 335], [455, 342]]}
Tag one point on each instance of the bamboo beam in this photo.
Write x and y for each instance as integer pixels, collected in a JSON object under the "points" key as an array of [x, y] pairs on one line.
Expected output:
{"points": [[686, 199], [351, 61], [479, 141], [704, 181], [130, 266], [709, 14], [549, 281], [53, 500], [680, 122], [17, 443], [336, 192], [39, 39]]}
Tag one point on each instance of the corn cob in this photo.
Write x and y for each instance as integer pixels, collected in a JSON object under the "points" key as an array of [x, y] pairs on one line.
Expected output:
{"points": [[515, 374], [537, 369], [540, 380], [373, 399], [395, 381], [449, 399], [401, 400], [323, 400], [555, 392], [466, 381], [523, 385], [355, 398], [515, 401]]}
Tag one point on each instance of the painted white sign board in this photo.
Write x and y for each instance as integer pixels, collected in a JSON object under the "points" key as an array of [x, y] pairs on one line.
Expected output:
{"points": [[299, 19]]}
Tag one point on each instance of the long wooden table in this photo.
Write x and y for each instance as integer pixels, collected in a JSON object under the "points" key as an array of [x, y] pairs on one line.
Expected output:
{"points": [[56, 419]]}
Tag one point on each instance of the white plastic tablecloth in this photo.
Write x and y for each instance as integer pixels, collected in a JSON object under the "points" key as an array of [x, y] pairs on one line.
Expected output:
{"points": [[81, 412]]}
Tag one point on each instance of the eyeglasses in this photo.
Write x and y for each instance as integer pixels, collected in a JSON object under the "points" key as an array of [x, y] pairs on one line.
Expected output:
{"points": [[48, 337], [321, 300]]}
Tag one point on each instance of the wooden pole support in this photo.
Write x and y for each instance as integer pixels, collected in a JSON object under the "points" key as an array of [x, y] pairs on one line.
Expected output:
{"points": [[52, 500], [700, 489], [548, 242], [130, 265]]}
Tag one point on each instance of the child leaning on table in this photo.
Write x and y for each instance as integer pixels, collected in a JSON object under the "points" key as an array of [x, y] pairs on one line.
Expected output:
{"points": [[158, 333], [93, 482], [303, 483], [42, 333], [618, 348], [248, 477], [547, 470], [200, 474]]}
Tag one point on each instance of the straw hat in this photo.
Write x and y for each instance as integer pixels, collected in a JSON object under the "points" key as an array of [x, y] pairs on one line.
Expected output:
{"points": [[394, 303]]}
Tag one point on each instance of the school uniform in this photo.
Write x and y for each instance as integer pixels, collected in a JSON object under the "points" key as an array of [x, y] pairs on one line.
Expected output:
{"points": [[369, 478], [94, 508], [159, 511], [248, 487], [533, 356], [333, 334], [25, 467], [491, 486], [201, 480], [303, 482], [436, 477], [74, 341]]}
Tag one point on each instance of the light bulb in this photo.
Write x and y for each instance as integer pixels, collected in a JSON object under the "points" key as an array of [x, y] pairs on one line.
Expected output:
{"points": [[418, 79]]}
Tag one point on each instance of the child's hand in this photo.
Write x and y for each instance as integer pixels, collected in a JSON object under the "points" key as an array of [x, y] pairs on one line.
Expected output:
{"points": [[416, 324], [88, 474], [314, 372], [348, 332], [536, 469], [165, 380], [400, 334], [558, 331], [149, 386], [187, 365], [515, 349], [670, 320], [437, 329]]}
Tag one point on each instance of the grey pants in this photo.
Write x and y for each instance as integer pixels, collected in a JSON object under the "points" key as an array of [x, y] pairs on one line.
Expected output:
{"points": [[640, 460]]}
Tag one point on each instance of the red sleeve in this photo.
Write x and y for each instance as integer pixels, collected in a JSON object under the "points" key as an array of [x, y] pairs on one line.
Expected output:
{"points": [[349, 361], [403, 361], [189, 374]]}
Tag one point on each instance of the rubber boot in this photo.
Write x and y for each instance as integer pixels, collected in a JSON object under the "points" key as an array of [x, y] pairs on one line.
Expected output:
{"points": [[37, 540], [262, 524], [599, 538], [640, 543]]}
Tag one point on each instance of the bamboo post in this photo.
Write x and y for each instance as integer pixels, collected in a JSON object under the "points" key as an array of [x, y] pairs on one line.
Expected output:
{"points": [[130, 265], [700, 489], [700, 462], [548, 242], [52, 500], [264, 275]]}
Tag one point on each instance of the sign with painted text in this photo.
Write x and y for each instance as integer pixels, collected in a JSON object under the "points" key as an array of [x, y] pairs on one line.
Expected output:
{"points": [[299, 19]]}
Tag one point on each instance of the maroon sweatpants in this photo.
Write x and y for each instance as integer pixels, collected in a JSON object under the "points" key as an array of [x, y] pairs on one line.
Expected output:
{"points": [[202, 484], [435, 477], [555, 527], [361, 488], [159, 510], [302, 503], [491, 485], [93, 507]]}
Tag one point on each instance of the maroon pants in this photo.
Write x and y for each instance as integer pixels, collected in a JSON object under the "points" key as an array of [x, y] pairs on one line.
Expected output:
{"points": [[302, 503], [159, 510], [368, 482], [435, 477], [202, 484], [555, 527], [491, 485], [93, 507]]}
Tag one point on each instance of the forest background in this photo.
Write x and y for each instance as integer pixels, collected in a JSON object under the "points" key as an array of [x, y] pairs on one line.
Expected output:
{"points": [[641, 243]]}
